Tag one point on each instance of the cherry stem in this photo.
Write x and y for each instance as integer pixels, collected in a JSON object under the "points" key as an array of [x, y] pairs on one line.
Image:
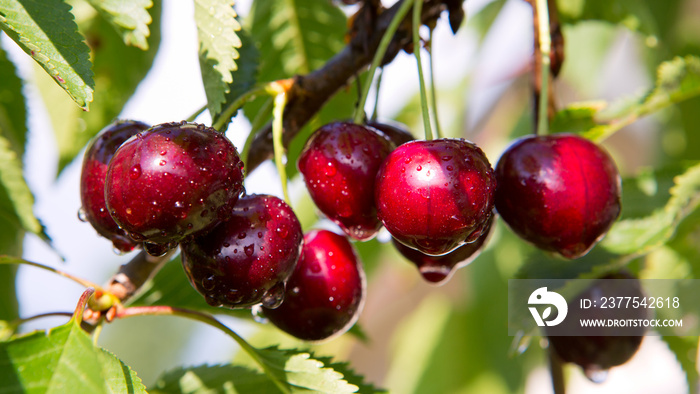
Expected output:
{"points": [[379, 56], [258, 123], [545, 45], [376, 96], [417, 8], [18, 261], [433, 89], [226, 115], [194, 116], [557, 370], [277, 128], [207, 319]]}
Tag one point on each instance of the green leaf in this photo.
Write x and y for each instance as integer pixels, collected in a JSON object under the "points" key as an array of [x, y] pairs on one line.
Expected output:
{"points": [[46, 31], [677, 80], [12, 179], [218, 43], [640, 235], [118, 376], [633, 14], [130, 18], [302, 372], [244, 77], [295, 36], [13, 110], [209, 379], [118, 71], [58, 361]]}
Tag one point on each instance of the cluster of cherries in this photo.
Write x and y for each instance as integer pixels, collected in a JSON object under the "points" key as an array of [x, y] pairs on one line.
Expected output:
{"points": [[182, 183]]}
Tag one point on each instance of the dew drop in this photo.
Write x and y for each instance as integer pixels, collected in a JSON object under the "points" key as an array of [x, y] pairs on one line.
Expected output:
{"points": [[434, 274], [135, 172], [419, 168], [241, 235], [155, 250], [260, 234], [282, 231], [330, 170], [315, 268], [258, 314], [82, 215], [162, 162], [274, 297], [163, 152], [212, 301], [209, 283], [179, 204], [118, 251], [249, 250], [449, 168], [595, 374], [446, 158]]}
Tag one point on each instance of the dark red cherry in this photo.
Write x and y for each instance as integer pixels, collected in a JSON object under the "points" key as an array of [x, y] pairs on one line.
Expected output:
{"points": [[247, 259], [435, 196], [92, 180], [397, 133], [561, 192], [604, 348], [172, 181], [439, 269], [339, 163], [326, 292]]}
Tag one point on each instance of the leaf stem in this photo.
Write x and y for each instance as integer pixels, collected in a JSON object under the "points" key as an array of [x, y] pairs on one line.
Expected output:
{"points": [[438, 130], [228, 112], [379, 55], [207, 319], [556, 368], [545, 45], [82, 304], [18, 261], [376, 96], [194, 116], [417, 8], [257, 124]]}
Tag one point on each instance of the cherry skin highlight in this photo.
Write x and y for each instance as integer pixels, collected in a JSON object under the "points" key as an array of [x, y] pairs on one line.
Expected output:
{"points": [[439, 269], [92, 180], [326, 292], [247, 259], [339, 163], [560, 192], [173, 181], [434, 196]]}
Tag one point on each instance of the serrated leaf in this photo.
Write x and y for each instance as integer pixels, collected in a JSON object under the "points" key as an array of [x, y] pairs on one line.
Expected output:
{"points": [[46, 31], [13, 110], [302, 372], [130, 18], [244, 77], [119, 378], [118, 70], [210, 379], [12, 179], [643, 234], [217, 29], [296, 37], [677, 80], [58, 361]]}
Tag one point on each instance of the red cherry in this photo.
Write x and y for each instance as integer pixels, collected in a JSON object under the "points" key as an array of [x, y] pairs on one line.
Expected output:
{"points": [[435, 196], [561, 192], [172, 181], [339, 163], [326, 292], [247, 259], [92, 180], [396, 132]]}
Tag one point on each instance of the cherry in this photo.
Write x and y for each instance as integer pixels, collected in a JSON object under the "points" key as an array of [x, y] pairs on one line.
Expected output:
{"points": [[560, 192], [92, 180], [605, 349], [339, 163], [396, 132], [247, 259], [439, 269], [435, 196], [172, 181], [326, 292]]}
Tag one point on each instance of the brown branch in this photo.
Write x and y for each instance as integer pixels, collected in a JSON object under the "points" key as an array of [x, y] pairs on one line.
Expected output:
{"points": [[556, 58], [311, 91]]}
